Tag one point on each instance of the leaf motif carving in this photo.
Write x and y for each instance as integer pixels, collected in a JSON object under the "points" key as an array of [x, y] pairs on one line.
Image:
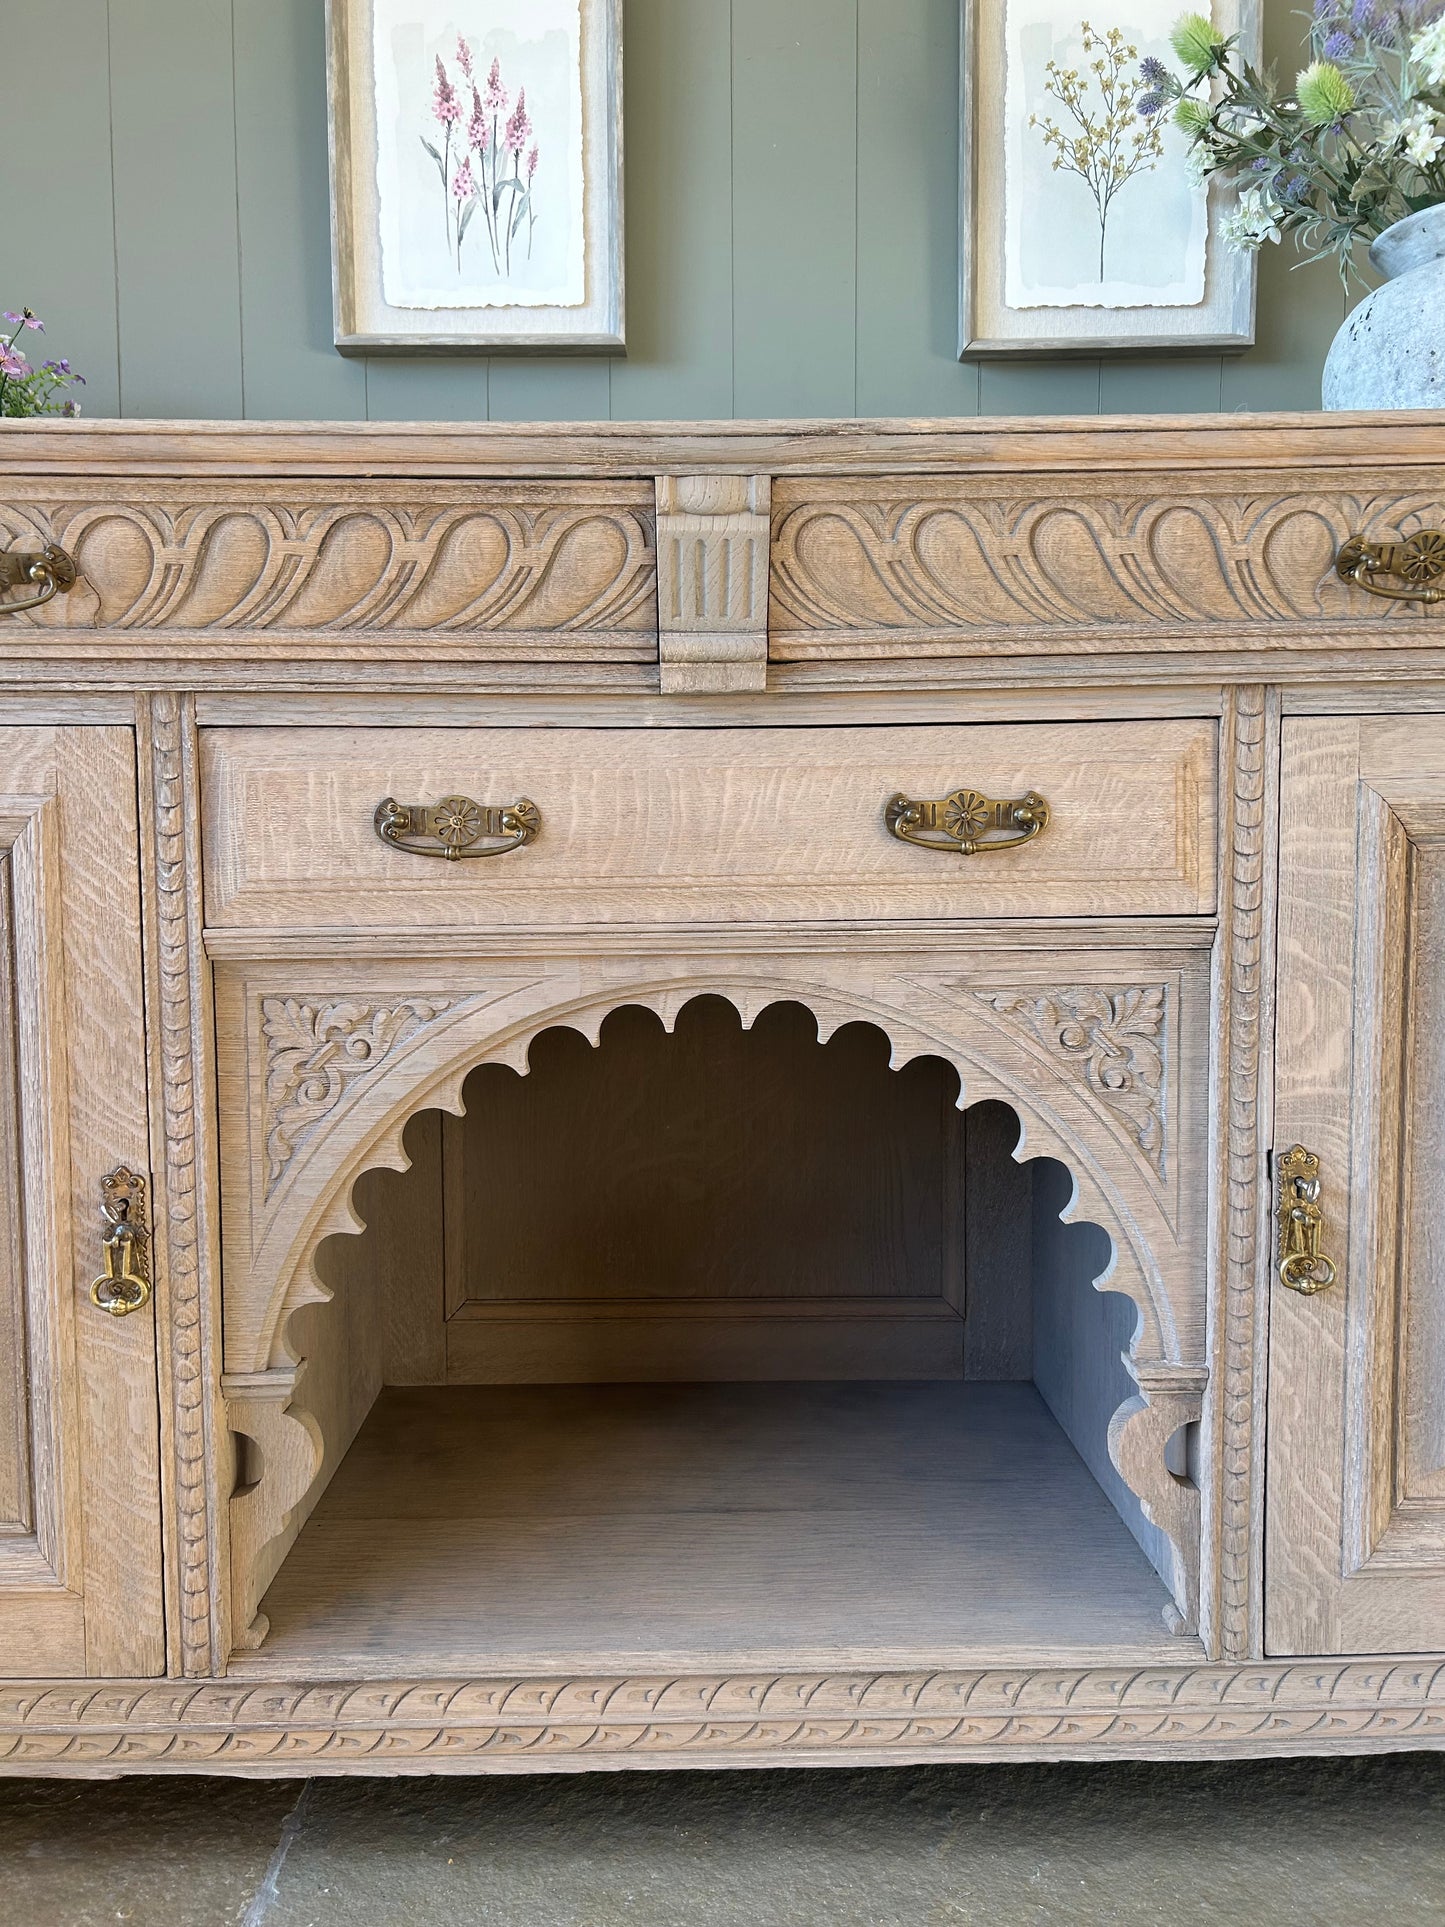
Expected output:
{"points": [[1113, 1041], [317, 1051]]}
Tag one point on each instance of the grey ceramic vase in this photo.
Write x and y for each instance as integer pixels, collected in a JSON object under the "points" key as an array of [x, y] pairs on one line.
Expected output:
{"points": [[1390, 353]]}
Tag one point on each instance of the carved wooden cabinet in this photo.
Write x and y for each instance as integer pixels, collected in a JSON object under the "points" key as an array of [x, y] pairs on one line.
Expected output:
{"points": [[739, 1094]]}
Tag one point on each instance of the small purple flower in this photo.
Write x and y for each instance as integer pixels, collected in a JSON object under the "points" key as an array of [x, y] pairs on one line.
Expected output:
{"points": [[71, 408], [1153, 72], [12, 362], [1150, 104], [445, 105], [477, 135], [519, 127], [463, 186], [532, 160], [1339, 45], [1261, 165], [26, 318], [61, 367], [464, 57], [496, 96], [1362, 15]]}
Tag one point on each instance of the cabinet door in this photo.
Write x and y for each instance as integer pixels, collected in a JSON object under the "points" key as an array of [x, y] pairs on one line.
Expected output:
{"points": [[1355, 1542], [80, 1542]]}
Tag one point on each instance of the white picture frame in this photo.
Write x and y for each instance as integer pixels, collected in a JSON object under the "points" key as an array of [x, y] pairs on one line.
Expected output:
{"points": [[522, 251], [1026, 281]]}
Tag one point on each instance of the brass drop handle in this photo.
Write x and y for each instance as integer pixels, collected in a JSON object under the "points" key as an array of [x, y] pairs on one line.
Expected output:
{"points": [[1302, 1265], [456, 827], [51, 569], [966, 822], [1419, 562], [124, 1286]]}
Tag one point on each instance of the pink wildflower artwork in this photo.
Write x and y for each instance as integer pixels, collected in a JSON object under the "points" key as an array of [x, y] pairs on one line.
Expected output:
{"points": [[480, 160]]}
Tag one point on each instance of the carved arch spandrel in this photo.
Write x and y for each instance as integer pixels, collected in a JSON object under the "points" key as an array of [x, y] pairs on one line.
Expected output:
{"points": [[271, 1273]]}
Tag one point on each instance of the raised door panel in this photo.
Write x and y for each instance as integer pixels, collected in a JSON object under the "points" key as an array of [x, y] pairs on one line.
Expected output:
{"points": [[80, 1541], [1355, 1554]]}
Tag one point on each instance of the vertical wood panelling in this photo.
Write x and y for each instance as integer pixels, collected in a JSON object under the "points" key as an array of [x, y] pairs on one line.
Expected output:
{"points": [[177, 247], [59, 255], [791, 180], [795, 88], [427, 388], [291, 368], [907, 215], [532, 388], [678, 117]]}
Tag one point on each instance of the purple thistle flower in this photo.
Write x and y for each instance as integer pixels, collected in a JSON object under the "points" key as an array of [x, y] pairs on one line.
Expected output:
{"points": [[1362, 15], [1261, 165], [477, 135], [1324, 9], [1150, 104], [496, 96], [532, 160], [445, 105], [464, 57], [1153, 72], [1339, 45], [519, 127], [463, 186]]}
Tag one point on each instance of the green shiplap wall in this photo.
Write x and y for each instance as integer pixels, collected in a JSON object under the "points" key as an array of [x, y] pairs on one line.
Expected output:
{"points": [[791, 199]]}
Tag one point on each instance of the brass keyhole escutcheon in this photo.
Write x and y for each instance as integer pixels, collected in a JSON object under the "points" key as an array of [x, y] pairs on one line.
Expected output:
{"points": [[1302, 1265], [124, 1286]]}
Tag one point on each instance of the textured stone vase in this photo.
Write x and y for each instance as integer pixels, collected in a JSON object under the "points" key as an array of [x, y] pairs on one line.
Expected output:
{"points": [[1390, 353]]}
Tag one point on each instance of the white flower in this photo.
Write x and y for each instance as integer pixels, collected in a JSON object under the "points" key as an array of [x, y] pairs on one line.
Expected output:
{"points": [[1420, 134], [1427, 54], [1253, 222]]}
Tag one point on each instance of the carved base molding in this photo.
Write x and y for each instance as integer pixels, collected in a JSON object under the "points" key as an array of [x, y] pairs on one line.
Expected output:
{"points": [[541, 1725]]}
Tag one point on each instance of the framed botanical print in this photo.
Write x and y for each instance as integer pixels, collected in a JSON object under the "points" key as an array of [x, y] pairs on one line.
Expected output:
{"points": [[476, 175], [1082, 229]]}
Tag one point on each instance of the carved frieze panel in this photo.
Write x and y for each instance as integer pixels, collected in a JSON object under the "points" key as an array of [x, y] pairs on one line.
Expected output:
{"points": [[861, 566], [542, 569]]}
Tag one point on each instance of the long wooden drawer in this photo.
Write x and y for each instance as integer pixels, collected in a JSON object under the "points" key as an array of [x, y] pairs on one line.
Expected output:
{"points": [[705, 825]]}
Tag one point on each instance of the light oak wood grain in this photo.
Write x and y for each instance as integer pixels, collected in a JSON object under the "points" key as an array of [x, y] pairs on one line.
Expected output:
{"points": [[761, 1523], [712, 825], [80, 1590]]}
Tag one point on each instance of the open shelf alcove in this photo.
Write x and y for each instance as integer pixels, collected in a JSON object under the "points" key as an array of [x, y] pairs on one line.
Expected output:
{"points": [[691, 1330]]}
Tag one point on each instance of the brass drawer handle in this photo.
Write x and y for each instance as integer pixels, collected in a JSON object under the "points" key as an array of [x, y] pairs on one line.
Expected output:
{"points": [[1419, 561], [456, 826], [1302, 1265], [52, 569], [968, 823], [125, 1284]]}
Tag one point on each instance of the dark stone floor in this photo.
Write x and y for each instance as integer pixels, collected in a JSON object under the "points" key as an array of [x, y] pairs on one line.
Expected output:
{"points": [[1292, 1844]]}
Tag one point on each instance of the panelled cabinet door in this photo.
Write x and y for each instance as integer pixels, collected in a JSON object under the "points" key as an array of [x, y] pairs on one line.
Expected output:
{"points": [[80, 1540], [1355, 1545]]}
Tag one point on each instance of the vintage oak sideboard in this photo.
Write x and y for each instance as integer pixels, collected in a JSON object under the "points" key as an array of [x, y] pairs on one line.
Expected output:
{"points": [[713, 1095]]}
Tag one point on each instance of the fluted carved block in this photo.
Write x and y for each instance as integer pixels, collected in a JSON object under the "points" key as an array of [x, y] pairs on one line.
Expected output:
{"points": [[712, 582]]}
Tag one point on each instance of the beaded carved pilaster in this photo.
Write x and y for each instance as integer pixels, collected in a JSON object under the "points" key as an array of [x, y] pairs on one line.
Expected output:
{"points": [[1243, 999], [183, 1110]]}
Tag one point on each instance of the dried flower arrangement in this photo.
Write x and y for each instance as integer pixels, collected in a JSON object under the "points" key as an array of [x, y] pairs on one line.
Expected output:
{"points": [[25, 389], [1358, 144]]}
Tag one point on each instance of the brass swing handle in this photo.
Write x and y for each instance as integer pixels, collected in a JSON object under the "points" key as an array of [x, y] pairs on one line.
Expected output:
{"points": [[1302, 1265], [51, 569], [1419, 562], [125, 1285], [456, 827], [966, 822]]}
